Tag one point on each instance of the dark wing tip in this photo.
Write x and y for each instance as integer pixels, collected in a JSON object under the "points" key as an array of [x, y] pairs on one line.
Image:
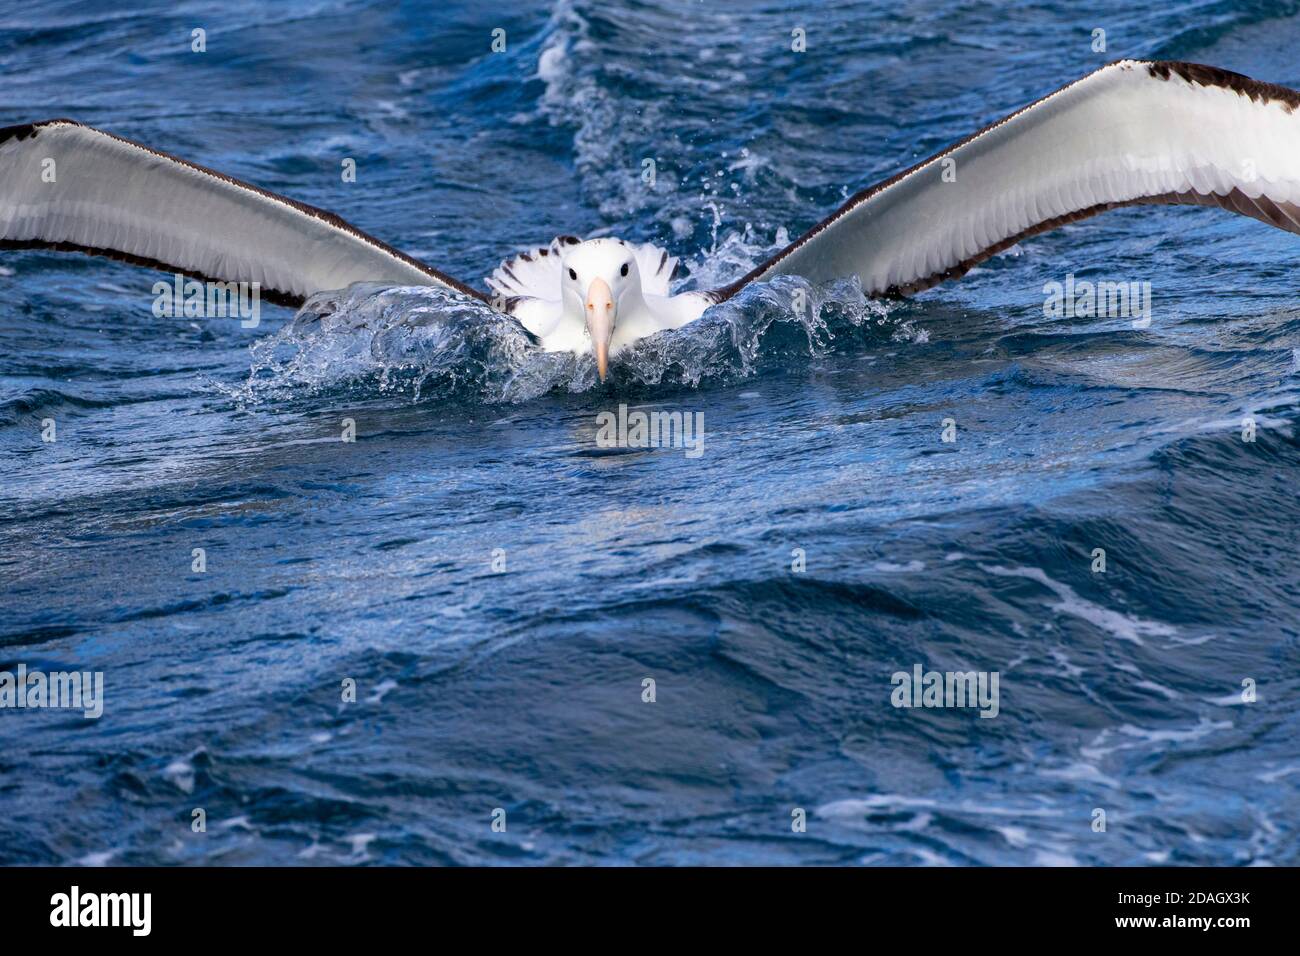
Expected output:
{"points": [[27, 130], [1202, 75]]}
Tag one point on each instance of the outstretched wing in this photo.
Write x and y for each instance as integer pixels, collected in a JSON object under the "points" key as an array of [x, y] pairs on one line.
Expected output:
{"points": [[1132, 132], [69, 187]]}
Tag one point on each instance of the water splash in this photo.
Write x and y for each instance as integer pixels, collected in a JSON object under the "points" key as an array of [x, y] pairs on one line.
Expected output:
{"points": [[431, 344], [730, 254]]}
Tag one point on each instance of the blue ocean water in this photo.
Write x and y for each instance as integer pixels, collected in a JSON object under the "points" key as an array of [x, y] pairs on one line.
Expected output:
{"points": [[521, 690]]}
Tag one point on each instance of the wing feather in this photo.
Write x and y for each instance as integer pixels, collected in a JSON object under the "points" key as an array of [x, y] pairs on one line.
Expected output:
{"points": [[1133, 132], [68, 187]]}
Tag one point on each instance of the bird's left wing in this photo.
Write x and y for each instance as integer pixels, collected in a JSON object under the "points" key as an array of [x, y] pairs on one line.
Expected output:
{"points": [[1131, 132], [69, 187]]}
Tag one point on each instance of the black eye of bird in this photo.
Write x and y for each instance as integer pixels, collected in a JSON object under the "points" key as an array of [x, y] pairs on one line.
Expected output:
{"points": [[623, 271], [573, 275]]}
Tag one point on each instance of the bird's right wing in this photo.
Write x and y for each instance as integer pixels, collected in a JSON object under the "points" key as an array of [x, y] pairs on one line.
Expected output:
{"points": [[1129, 133], [69, 187]]}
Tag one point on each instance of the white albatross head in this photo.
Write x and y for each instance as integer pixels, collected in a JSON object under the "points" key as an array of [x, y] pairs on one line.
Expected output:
{"points": [[600, 279]]}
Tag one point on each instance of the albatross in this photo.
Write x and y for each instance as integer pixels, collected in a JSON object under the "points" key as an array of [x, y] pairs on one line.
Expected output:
{"points": [[1130, 133]]}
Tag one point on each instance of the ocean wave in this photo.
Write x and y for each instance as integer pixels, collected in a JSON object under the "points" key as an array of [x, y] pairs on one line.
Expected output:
{"points": [[43, 402]]}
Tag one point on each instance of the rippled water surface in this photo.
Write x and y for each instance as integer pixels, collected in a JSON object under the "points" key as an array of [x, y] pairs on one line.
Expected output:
{"points": [[480, 688]]}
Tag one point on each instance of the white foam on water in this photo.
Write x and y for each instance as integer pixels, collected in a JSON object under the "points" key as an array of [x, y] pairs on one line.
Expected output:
{"points": [[1273, 776], [1126, 627], [102, 858], [180, 774], [888, 567], [381, 691], [1105, 743], [1079, 772], [360, 844]]}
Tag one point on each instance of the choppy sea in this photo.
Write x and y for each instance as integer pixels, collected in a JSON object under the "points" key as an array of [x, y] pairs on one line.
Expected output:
{"points": [[499, 588]]}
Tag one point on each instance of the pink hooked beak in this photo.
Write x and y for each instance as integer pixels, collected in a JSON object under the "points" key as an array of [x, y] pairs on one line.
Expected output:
{"points": [[600, 322]]}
